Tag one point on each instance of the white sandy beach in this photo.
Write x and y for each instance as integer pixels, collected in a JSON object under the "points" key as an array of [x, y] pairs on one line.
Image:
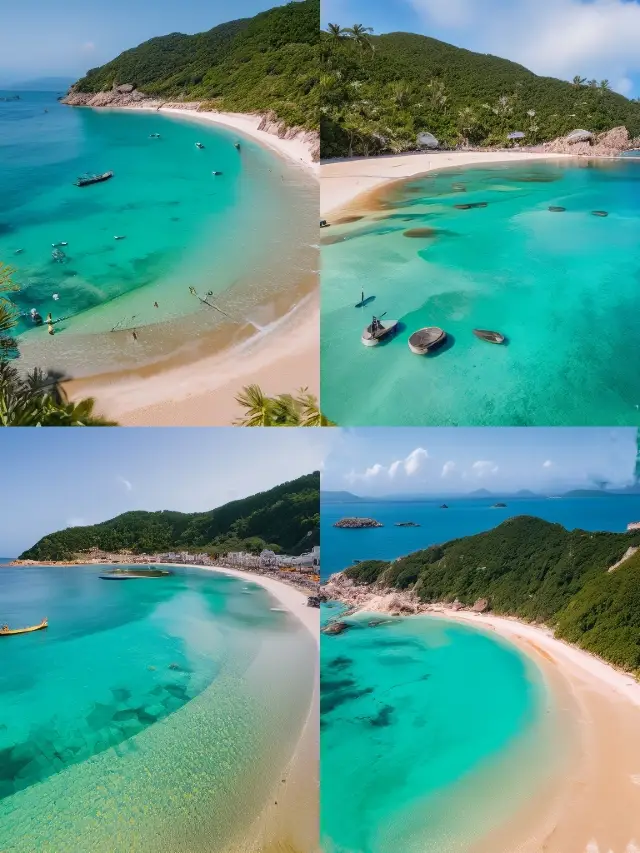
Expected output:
{"points": [[290, 819], [203, 393], [594, 805], [342, 181]]}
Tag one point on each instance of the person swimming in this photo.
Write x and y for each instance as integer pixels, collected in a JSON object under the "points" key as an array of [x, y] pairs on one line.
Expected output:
{"points": [[55, 297], [155, 305]]}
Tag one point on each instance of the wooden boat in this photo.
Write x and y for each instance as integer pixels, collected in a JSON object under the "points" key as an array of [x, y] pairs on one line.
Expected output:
{"points": [[471, 205], [86, 180], [377, 331], [599, 213], [427, 339], [555, 209], [490, 337], [5, 631]]}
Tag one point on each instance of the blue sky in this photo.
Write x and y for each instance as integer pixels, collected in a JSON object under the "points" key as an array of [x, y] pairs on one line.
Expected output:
{"points": [[55, 478], [559, 38], [67, 37], [448, 461]]}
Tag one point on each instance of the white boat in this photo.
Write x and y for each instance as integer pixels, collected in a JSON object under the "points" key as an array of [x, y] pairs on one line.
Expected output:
{"points": [[377, 331], [199, 145]]}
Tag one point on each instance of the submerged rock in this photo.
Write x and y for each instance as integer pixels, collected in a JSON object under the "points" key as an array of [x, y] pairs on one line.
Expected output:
{"points": [[335, 628]]}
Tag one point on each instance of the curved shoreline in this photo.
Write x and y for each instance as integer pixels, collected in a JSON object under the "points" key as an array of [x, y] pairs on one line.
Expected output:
{"points": [[593, 806], [197, 385], [345, 185]]}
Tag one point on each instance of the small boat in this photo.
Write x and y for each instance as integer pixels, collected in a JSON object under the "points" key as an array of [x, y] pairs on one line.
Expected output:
{"points": [[427, 339], [119, 236], [56, 245], [18, 251], [154, 136], [216, 173], [490, 337], [236, 145], [364, 301], [599, 213], [377, 331], [555, 209], [5, 631], [86, 180], [199, 145]]}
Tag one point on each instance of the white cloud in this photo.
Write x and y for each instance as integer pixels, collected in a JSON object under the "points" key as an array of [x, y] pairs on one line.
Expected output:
{"points": [[483, 468], [372, 473], [547, 464], [414, 460], [560, 38], [76, 522], [410, 466], [449, 468], [125, 483]]}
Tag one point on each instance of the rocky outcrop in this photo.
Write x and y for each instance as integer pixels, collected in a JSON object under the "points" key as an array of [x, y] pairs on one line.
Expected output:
{"points": [[270, 124], [609, 144], [335, 628], [353, 523], [378, 599], [406, 524], [125, 95]]}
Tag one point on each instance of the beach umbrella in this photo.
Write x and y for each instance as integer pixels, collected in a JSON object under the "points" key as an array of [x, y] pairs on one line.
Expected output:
{"points": [[517, 134], [427, 140]]}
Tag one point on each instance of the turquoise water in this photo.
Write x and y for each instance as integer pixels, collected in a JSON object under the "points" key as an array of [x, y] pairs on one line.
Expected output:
{"points": [[150, 716], [563, 288], [426, 726], [244, 235], [464, 517]]}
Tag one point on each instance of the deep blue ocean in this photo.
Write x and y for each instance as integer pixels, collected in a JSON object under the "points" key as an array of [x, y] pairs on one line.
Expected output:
{"points": [[463, 517]]}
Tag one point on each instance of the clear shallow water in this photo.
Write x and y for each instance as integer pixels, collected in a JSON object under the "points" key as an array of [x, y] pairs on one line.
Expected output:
{"points": [[464, 517], [426, 726], [151, 711], [563, 288], [244, 235]]}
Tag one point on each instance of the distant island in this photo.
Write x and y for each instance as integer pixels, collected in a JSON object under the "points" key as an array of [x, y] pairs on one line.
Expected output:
{"points": [[582, 584], [406, 524], [357, 523], [498, 506]]}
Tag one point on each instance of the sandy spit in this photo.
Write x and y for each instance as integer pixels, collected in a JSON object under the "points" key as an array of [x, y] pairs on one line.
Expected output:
{"points": [[342, 181]]}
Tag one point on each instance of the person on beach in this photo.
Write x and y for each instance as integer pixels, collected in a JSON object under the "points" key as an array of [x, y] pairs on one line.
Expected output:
{"points": [[50, 329], [134, 335]]}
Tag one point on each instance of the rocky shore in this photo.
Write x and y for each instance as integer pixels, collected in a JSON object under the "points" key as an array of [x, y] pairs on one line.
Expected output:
{"points": [[127, 95], [352, 523], [612, 143], [376, 599]]}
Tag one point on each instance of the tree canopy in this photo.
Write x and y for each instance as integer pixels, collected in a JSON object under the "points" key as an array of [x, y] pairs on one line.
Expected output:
{"points": [[268, 63], [379, 93], [286, 518], [537, 571]]}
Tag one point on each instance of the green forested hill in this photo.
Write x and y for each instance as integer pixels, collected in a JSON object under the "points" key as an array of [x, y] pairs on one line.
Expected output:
{"points": [[287, 517], [260, 64], [380, 92], [538, 571]]}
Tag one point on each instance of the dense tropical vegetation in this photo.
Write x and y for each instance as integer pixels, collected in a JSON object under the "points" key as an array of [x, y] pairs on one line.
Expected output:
{"points": [[538, 571], [285, 519], [36, 399], [268, 63], [379, 93], [300, 409]]}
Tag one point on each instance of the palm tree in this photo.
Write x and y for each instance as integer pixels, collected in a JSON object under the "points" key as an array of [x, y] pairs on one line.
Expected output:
{"points": [[38, 400], [359, 34], [8, 313], [337, 33], [604, 86], [578, 82], [283, 410]]}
